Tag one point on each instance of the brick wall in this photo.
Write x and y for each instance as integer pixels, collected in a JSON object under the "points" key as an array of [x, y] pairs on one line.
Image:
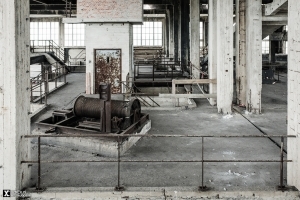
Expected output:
{"points": [[111, 10]]}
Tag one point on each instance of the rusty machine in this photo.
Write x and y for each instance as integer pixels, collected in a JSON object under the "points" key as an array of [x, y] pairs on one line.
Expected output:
{"points": [[97, 115]]}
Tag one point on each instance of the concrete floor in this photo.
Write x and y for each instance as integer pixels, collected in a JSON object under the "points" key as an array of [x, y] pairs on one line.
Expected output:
{"points": [[202, 120]]}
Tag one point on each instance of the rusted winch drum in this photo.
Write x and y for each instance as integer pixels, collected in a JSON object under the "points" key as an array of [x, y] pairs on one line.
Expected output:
{"points": [[91, 108]]}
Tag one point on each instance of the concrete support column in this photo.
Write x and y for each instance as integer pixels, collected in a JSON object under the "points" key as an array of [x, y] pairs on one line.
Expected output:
{"points": [[224, 56], [185, 29], [293, 145], [61, 33], [195, 37], [240, 55], [171, 32], [14, 93], [212, 47], [254, 55], [166, 35], [272, 51], [177, 29]]}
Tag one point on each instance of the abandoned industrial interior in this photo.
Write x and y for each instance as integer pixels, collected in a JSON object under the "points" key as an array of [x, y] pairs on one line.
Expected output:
{"points": [[150, 99]]}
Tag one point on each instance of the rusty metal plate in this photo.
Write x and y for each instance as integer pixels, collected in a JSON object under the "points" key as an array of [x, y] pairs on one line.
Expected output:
{"points": [[108, 69]]}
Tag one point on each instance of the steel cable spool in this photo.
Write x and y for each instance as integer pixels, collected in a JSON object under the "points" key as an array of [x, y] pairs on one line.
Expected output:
{"points": [[128, 111], [124, 108], [87, 107]]}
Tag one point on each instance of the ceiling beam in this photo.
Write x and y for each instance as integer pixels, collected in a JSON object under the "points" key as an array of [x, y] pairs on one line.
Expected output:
{"points": [[273, 8], [51, 7], [54, 1], [50, 12]]}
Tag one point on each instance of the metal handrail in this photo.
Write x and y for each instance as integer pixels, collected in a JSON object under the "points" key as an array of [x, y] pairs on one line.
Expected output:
{"points": [[49, 46], [42, 80], [119, 161]]}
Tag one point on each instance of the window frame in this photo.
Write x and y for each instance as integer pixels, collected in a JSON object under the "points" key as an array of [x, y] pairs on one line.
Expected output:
{"points": [[150, 34], [77, 39]]}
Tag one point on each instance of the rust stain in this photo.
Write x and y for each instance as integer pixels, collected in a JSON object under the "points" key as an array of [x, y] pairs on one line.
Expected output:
{"points": [[108, 69]]}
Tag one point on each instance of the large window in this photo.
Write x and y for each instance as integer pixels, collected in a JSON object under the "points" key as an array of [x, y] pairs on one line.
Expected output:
{"points": [[148, 34], [74, 34], [44, 31], [265, 45]]}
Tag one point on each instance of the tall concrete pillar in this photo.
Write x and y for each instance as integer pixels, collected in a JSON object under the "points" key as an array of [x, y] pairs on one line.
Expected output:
{"points": [[195, 37], [224, 56], [254, 55], [177, 29], [212, 47], [272, 51], [167, 22], [61, 33], [240, 55], [185, 32], [14, 93], [166, 35], [171, 33], [293, 145]]}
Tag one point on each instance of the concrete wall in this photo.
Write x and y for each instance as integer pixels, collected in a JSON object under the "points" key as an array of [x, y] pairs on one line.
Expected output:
{"points": [[111, 10], [14, 93], [108, 36], [293, 173]]}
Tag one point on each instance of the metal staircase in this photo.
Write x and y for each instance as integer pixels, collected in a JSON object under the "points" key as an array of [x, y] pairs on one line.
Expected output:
{"points": [[51, 48]]}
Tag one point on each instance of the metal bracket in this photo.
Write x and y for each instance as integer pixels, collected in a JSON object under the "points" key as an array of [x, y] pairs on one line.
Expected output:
{"points": [[119, 188], [203, 188]]}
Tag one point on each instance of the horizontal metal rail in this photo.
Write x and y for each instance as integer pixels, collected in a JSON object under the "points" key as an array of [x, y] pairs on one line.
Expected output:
{"points": [[155, 161], [39, 162], [160, 135]]}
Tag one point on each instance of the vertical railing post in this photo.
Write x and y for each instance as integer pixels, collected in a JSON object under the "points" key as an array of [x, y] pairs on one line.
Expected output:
{"points": [[56, 71], [46, 85], [119, 187], [281, 185], [153, 71], [39, 165], [134, 71], [65, 74], [202, 187], [40, 83]]}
